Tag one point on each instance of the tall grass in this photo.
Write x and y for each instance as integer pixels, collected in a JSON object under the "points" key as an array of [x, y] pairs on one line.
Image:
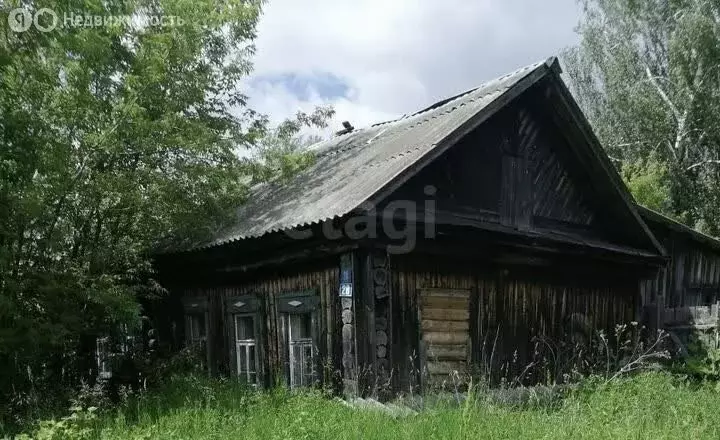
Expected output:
{"points": [[651, 405]]}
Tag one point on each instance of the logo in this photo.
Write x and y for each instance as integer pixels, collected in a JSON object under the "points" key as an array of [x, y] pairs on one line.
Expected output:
{"points": [[51, 20], [44, 20], [19, 20]]}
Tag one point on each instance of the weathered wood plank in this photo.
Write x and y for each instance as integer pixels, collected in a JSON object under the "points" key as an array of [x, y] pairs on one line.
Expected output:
{"points": [[446, 367], [451, 293], [430, 325], [435, 302], [446, 337], [446, 314], [455, 352]]}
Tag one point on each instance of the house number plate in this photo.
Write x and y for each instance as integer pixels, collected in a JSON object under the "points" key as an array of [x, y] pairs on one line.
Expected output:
{"points": [[346, 290]]}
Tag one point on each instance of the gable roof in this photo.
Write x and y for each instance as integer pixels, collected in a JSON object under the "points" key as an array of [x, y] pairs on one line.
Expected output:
{"points": [[367, 164], [351, 168]]}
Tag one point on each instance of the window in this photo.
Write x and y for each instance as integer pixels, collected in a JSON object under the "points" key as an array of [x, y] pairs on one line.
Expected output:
{"points": [[102, 357], [110, 351], [128, 340], [299, 325], [245, 348], [197, 330], [301, 351]]}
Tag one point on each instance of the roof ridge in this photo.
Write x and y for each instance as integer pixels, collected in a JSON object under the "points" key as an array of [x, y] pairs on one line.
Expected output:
{"points": [[438, 105]]}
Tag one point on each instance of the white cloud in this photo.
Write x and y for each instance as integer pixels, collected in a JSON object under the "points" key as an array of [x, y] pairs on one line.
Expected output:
{"points": [[398, 56]]}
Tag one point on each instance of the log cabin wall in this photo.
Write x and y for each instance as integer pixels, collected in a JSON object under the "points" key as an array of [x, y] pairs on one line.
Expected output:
{"points": [[321, 277], [509, 308]]}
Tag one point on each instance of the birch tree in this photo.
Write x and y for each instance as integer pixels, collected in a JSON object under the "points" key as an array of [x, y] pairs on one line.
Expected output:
{"points": [[647, 74]]}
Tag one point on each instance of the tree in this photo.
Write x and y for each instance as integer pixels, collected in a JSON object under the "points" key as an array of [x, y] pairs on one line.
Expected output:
{"points": [[282, 151], [116, 140], [647, 74]]}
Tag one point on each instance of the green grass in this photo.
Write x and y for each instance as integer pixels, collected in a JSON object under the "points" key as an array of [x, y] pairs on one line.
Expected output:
{"points": [[653, 406]]}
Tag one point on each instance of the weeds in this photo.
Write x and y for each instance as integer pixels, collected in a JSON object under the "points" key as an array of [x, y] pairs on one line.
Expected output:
{"points": [[649, 405], [607, 404]]}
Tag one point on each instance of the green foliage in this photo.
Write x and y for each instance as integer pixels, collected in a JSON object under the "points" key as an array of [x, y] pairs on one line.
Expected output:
{"points": [[282, 152], [77, 426], [703, 361], [648, 183], [116, 142], [707, 366], [651, 405], [645, 73]]}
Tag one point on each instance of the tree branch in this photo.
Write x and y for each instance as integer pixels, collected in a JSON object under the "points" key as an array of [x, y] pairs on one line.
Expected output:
{"points": [[704, 162], [662, 93]]}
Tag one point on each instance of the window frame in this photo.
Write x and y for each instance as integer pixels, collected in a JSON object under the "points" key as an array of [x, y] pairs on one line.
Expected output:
{"points": [[244, 345], [193, 321], [238, 307], [305, 303], [193, 309], [103, 357], [300, 344], [109, 348]]}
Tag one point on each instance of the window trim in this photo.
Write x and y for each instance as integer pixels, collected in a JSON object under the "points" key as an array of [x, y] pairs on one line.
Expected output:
{"points": [[303, 302], [245, 306], [194, 307], [301, 344]]}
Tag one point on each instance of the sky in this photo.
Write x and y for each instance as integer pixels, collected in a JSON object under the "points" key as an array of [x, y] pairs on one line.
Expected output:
{"points": [[375, 60]]}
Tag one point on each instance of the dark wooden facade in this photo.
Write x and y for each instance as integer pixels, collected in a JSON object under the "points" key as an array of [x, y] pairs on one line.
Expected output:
{"points": [[268, 293], [519, 234], [510, 308], [683, 296]]}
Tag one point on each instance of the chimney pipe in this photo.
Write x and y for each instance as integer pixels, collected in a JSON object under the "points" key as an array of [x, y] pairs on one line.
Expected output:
{"points": [[348, 128]]}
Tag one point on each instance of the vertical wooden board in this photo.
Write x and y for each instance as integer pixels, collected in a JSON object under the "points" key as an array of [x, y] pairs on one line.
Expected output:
{"points": [[679, 279], [283, 353], [229, 337], [699, 275], [315, 335], [507, 190], [524, 202], [710, 275], [213, 336], [328, 313]]}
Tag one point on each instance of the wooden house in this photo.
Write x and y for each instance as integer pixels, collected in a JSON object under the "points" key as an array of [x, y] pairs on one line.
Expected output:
{"points": [[422, 247]]}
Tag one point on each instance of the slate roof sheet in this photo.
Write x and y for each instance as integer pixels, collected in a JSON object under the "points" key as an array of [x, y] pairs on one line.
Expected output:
{"points": [[351, 168]]}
